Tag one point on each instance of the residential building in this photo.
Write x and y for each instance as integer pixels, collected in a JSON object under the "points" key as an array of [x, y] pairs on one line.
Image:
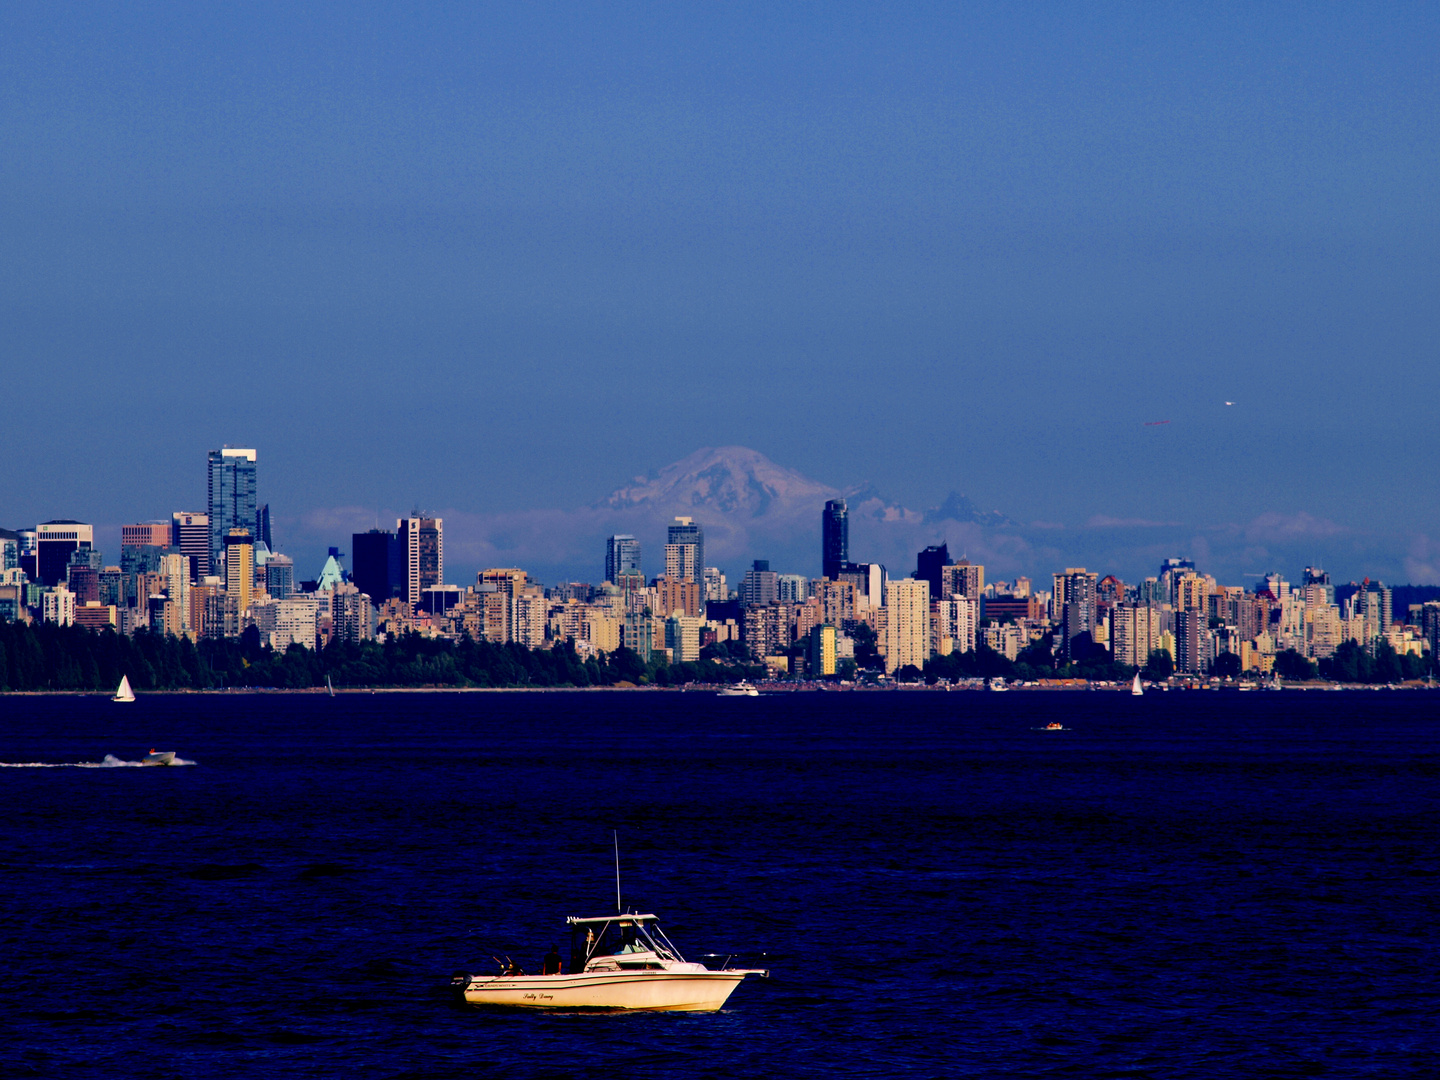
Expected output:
{"points": [[823, 641], [1074, 606], [239, 563], [715, 586], [760, 586], [907, 623], [1134, 633], [962, 579], [622, 556], [674, 595], [232, 505], [682, 638], [351, 613], [834, 539], [792, 588], [58, 605], [953, 622]]}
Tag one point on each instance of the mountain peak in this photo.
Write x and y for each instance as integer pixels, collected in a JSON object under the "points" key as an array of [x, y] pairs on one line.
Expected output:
{"points": [[724, 479]]}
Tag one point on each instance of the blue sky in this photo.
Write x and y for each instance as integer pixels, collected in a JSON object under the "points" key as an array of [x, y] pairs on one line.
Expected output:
{"points": [[501, 259]]}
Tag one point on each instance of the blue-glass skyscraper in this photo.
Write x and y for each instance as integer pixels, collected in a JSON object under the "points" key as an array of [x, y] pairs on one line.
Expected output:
{"points": [[622, 556], [232, 497]]}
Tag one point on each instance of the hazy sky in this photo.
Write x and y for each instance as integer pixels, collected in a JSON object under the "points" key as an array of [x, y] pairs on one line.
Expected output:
{"points": [[494, 259]]}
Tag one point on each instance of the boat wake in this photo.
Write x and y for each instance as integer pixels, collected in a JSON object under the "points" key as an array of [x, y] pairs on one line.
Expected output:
{"points": [[110, 762]]}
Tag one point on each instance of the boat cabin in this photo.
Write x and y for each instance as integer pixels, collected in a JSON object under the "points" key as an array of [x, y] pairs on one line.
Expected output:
{"points": [[620, 942]]}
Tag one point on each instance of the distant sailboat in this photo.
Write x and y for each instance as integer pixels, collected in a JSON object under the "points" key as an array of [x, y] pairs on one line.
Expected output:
{"points": [[1135, 687], [329, 686], [123, 692]]}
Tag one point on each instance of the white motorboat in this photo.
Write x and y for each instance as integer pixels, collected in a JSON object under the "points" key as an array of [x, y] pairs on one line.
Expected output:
{"points": [[1135, 687], [159, 757], [997, 683], [619, 962], [740, 689], [123, 691]]}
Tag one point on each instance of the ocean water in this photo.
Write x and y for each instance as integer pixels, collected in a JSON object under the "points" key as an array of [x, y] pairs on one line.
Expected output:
{"points": [[1181, 885]]}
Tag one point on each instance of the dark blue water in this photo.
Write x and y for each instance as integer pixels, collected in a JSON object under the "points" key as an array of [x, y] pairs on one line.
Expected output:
{"points": [[1183, 885]]}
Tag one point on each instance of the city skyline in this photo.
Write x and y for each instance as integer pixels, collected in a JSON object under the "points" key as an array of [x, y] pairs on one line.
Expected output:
{"points": [[754, 508], [1104, 268]]}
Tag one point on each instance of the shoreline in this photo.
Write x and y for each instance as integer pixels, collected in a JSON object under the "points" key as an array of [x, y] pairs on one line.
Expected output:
{"points": [[769, 689]]}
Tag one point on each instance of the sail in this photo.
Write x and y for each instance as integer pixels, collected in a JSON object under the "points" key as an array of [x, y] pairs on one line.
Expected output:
{"points": [[1135, 687], [124, 693]]}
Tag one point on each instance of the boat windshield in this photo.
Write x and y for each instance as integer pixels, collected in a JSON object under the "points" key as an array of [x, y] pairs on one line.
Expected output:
{"points": [[619, 936]]}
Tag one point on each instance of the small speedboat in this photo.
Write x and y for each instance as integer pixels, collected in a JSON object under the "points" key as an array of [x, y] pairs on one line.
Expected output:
{"points": [[159, 757], [740, 689], [617, 962], [1054, 725]]}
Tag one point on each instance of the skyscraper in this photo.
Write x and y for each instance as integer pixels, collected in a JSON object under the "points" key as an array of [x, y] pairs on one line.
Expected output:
{"points": [[191, 534], [930, 565], [834, 538], [377, 564], [232, 497], [622, 556], [423, 542], [262, 527], [239, 567], [685, 551], [1074, 603], [55, 542]]}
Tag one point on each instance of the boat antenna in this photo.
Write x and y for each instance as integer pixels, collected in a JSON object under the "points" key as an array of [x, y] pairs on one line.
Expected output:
{"points": [[616, 836]]}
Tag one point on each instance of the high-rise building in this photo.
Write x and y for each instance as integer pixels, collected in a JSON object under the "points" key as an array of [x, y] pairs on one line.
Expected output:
{"points": [[1074, 605], [55, 542], [622, 556], [760, 586], [146, 534], [685, 551], [962, 579], [190, 533], [279, 576], [262, 527], [677, 594], [239, 567], [1134, 633], [834, 539], [930, 565], [907, 623], [715, 587], [422, 539], [822, 649], [232, 498], [377, 564]]}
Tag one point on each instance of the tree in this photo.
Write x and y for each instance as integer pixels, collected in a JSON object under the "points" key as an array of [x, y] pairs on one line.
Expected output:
{"points": [[1291, 665], [1160, 665], [867, 655], [1227, 665]]}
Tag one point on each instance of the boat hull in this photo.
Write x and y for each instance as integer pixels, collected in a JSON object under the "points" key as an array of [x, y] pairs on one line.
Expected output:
{"points": [[166, 757], [655, 991]]}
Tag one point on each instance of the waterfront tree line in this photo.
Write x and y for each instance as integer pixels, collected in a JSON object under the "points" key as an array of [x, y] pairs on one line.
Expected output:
{"points": [[47, 656]]}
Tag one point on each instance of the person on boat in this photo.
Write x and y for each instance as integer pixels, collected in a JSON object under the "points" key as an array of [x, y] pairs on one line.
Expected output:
{"points": [[551, 964]]}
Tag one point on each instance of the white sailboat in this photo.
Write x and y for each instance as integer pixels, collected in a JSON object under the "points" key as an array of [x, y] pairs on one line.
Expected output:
{"points": [[1135, 687], [329, 686], [123, 691]]}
